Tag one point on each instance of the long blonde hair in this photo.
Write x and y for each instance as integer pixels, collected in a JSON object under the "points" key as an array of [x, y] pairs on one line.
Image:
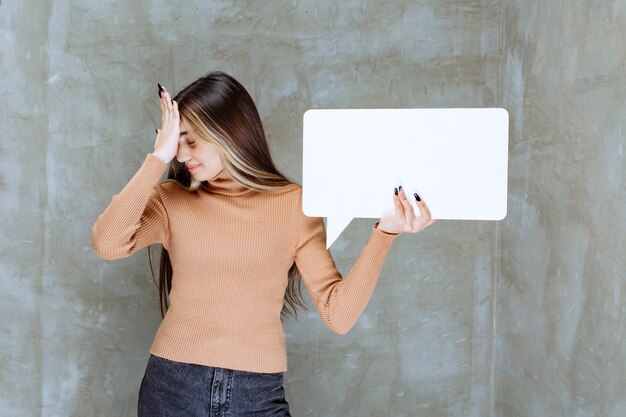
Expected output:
{"points": [[219, 111]]}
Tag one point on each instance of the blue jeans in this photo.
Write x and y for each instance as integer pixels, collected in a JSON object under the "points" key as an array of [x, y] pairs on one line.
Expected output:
{"points": [[171, 388]]}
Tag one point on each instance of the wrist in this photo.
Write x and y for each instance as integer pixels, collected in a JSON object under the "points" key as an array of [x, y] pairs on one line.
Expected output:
{"points": [[161, 157], [377, 226]]}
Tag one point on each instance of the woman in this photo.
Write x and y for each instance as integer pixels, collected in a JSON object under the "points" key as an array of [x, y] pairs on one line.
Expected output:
{"points": [[235, 241]]}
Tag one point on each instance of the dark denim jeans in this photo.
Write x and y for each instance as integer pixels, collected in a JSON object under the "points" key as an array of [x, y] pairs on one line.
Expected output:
{"points": [[171, 388]]}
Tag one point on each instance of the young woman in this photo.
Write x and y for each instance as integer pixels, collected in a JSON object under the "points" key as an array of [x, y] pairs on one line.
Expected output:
{"points": [[235, 246]]}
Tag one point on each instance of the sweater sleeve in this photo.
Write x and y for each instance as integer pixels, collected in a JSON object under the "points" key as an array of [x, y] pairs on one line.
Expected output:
{"points": [[136, 217], [340, 301]]}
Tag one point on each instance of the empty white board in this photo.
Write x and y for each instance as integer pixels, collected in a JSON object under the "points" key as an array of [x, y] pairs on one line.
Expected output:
{"points": [[455, 159]]}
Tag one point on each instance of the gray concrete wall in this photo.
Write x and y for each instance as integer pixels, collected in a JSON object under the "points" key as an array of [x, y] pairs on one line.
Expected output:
{"points": [[561, 320], [78, 80]]}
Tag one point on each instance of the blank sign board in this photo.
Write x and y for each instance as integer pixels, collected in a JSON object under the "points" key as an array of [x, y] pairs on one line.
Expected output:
{"points": [[455, 159]]}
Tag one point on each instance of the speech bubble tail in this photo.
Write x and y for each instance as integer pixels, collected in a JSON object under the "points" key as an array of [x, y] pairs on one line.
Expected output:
{"points": [[334, 226]]}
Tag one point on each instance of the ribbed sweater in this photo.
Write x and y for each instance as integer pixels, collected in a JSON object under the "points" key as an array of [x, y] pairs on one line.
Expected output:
{"points": [[231, 248]]}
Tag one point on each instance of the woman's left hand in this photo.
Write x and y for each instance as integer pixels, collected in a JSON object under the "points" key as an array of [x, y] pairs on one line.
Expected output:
{"points": [[405, 220]]}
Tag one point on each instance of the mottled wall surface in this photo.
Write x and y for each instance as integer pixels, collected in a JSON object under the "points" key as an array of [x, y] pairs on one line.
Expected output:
{"points": [[23, 196], [79, 108], [561, 320]]}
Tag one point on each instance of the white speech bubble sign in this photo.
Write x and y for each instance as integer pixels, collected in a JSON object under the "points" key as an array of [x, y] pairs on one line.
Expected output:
{"points": [[455, 159]]}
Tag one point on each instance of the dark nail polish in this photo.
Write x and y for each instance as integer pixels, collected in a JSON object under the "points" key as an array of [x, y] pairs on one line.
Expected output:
{"points": [[160, 89], [157, 131], [395, 191], [400, 188], [417, 197]]}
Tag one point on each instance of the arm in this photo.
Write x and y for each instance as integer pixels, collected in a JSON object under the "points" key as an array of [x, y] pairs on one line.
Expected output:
{"points": [[136, 217], [340, 302]]}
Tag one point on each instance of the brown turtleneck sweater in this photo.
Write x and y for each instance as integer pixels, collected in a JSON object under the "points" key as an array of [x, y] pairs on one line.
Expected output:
{"points": [[231, 248]]}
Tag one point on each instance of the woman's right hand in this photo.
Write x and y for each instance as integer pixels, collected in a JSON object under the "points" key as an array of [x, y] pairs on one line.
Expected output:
{"points": [[166, 142]]}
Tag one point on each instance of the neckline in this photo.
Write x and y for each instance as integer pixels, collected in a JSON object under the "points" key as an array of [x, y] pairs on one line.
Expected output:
{"points": [[224, 184]]}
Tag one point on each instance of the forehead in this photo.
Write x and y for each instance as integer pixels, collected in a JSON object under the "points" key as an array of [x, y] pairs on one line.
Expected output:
{"points": [[184, 129], [183, 125]]}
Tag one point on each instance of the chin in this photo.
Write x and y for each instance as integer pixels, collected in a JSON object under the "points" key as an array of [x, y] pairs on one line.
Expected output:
{"points": [[204, 176], [212, 177]]}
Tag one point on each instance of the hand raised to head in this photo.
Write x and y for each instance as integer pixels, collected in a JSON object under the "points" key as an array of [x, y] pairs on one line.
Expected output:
{"points": [[166, 142]]}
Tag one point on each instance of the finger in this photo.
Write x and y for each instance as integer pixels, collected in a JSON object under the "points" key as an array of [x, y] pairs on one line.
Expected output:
{"points": [[409, 214], [164, 99], [162, 105], [424, 210], [173, 121], [425, 219], [168, 100], [169, 110], [175, 113], [166, 110], [398, 205]]}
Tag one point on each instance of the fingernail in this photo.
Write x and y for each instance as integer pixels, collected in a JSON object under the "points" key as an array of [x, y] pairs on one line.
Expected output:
{"points": [[400, 188], [160, 89], [157, 131], [417, 197], [395, 191]]}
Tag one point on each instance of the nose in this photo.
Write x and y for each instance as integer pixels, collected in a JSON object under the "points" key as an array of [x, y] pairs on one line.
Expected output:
{"points": [[182, 155]]}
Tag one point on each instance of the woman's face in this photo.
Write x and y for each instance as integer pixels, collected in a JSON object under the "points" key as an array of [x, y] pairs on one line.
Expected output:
{"points": [[202, 160]]}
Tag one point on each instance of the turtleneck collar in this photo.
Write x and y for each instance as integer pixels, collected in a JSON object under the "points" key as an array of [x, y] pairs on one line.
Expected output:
{"points": [[224, 184]]}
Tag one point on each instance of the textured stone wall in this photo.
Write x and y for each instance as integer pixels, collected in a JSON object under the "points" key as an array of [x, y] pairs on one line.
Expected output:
{"points": [[560, 317]]}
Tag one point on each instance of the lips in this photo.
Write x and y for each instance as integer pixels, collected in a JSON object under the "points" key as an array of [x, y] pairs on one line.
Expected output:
{"points": [[192, 168]]}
